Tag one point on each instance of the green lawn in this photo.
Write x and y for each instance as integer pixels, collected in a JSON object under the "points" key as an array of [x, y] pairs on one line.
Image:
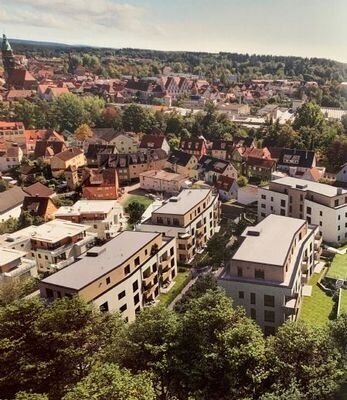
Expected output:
{"points": [[182, 278], [343, 301], [338, 268], [317, 308], [135, 197]]}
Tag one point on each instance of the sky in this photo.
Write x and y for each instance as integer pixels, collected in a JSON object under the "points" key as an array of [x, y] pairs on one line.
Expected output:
{"points": [[309, 28]]}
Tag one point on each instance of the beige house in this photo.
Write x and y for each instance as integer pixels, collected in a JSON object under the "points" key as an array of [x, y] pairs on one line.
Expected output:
{"points": [[119, 277], [10, 157], [267, 273], [192, 217], [68, 159], [183, 163], [126, 142], [162, 181]]}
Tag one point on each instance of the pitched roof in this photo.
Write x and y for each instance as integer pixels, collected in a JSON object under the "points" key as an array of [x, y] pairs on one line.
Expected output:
{"points": [[208, 163], [95, 149], [11, 198], [297, 158], [18, 94], [36, 205], [179, 158], [38, 189], [192, 144], [152, 142], [261, 162], [224, 183], [19, 76], [44, 148], [69, 154], [226, 145], [106, 134]]}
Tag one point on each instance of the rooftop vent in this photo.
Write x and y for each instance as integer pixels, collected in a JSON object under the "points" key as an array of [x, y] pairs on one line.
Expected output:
{"points": [[253, 232], [339, 190], [95, 251], [173, 199], [301, 186]]}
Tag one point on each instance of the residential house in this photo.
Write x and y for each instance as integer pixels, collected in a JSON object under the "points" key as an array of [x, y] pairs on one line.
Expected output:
{"points": [[163, 181], [53, 245], [11, 156], [261, 168], [105, 217], [39, 207], [32, 136], [47, 144], [11, 131], [127, 142], [52, 93], [118, 278], [296, 162], [17, 95], [38, 189], [341, 176], [95, 153], [183, 163], [11, 203], [100, 184], [151, 142], [227, 188], [320, 204], [194, 146], [14, 266], [210, 169], [29, 173], [192, 218], [69, 158], [267, 273], [130, 166], [222, 149]]}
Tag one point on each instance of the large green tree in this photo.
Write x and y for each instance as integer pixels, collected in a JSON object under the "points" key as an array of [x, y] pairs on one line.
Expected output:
{"points": [[138, 119]]}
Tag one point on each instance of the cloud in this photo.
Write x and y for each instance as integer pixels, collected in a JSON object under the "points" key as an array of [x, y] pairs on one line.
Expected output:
{"points": [[76, 15]]}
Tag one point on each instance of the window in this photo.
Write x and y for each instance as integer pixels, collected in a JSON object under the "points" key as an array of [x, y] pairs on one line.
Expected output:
{"points": [[121, 295], [136, 299], [263, 206], [241, 295], [283, 203], [104, 307], [127, 270], [308, 210], [137, 261], [269, 316], [108, 281], [321, 213], [95, 226], [308, 220], [290, 199], [263, 215], [283, 212], [137, 309], [123, 308], [252, 298], [135, 286], [272, 199], [146, 252], [290, 209], [259, 274], [172, 251], [49, 293], [253, 313], [320, 223], [239, 271], [336, 203], [263, 196], [172, 262], [269, 301]]}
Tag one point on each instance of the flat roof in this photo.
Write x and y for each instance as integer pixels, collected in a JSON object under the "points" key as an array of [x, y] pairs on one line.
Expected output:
{"points": [[88, 269], [319, 188], [88, 206], [272, 244], [163, 175], [184, 202], [8, 255]]}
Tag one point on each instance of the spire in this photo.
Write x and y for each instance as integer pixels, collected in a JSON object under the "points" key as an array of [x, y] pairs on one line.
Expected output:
{"points": [[5, 44]]}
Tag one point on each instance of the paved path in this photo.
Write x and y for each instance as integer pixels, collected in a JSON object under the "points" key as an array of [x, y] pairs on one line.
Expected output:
{"points": [[179, 296]]}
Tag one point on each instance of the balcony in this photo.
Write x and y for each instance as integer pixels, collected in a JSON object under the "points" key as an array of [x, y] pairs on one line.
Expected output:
{"points": [[318, 243], [304, 266], [166, 275], [150, 291], [88, 240], [317, 254], [290, 307], [147, 279], [62, 264], [22, 268]]}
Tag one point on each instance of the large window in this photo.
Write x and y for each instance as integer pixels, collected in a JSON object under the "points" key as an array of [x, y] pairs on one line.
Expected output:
{"points": [[269, 316], [269, 301], [253, 298], [259, 274], [239, 271]]}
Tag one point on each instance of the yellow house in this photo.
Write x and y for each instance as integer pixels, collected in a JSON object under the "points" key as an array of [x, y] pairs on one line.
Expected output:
{"points": [[183, 163], [71, 158]]}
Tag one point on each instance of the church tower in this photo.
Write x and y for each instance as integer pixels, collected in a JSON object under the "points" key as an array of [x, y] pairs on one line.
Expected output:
{"points": [[8, 59]]}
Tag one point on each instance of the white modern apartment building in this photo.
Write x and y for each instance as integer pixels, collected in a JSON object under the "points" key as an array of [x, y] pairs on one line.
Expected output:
{"points": [[14, 265], [267, 273], [125, 274], [52, 245], [192, 217], [318, 203], [105, 217]]}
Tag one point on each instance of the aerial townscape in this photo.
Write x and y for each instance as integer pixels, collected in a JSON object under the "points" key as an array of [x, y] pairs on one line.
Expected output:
{"points": [[173, 225]]}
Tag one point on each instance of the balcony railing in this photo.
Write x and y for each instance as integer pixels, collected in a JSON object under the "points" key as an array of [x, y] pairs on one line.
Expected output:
{"points": [[149, 278], [63, 263], [148, 292]]}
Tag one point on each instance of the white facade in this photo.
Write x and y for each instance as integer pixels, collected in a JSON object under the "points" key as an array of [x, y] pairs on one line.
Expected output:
{"points": [[8, 161], [12, 213], [341, 176]]}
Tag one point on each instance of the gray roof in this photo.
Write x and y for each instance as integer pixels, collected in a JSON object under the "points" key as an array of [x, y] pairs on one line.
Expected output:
{"points": [[111, 255], [11, 198], [271, 246], [319, 188], [184, 202]]}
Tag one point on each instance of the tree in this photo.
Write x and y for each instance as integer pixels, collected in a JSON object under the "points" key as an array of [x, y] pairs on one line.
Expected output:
{"points": [[305, 357], [338, 334], [138, 119], [109, 382], [220, 352], [310, 116], [45, 349], [69, 112], [3, 185], [242, 181], [30, 396], [135, 210], [83, 132], [150, 346]]}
